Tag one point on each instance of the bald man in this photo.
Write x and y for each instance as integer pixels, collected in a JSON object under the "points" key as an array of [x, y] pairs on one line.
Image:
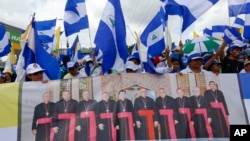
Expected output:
{"points": [[43, 112]]}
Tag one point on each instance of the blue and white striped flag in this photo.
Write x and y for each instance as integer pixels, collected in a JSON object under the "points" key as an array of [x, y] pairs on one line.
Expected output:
{"points": [[207, 32], [218, 31], [33, 52], [153, 36], [73, 51], [46, 33], [75, 17], [237, 7], [246, 32], [4, 41], [231, 34], [110, 38], [239, 22], [189, 10]]}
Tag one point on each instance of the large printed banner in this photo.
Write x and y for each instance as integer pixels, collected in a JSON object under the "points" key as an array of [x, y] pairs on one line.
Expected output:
{"points": [[206, 116]]}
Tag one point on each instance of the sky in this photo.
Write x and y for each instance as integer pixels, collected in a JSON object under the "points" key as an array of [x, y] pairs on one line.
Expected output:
{"points": [[137, 13]]}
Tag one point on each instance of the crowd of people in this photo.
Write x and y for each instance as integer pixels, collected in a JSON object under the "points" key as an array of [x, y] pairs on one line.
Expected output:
{"points": [[198, 116], [229, 58]]}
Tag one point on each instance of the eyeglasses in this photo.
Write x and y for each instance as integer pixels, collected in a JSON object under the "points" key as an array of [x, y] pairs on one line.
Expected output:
{"points": [[37, 73]]}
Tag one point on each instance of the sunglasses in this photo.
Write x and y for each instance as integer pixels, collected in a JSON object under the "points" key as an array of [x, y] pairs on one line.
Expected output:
{"points": [[37, 73]]}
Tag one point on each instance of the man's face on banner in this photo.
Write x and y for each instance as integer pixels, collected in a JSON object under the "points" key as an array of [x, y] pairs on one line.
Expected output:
{"points": [[122, 95], [162, 92], [66, 95], [46, 97], [105, 96], [143, 92], [86, 95]]}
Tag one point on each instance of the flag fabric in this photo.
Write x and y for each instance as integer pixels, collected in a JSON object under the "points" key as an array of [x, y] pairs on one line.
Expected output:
{"points": [[44, 59], [189, 10], [239, 23], [153, 36], [26, 55], [207, 32], [237, 7], [72, 52], [46, 31], [8, 66], [135, 53], [56, 42], [33, 52], [110, 39], [231, 34], [75, 17], [246, 32], [5, 44], [218, 31]]}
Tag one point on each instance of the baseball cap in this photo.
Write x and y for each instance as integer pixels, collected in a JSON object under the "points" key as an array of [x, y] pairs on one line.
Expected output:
{"points": [[132, 65], [246, 62], [194, 57], [72, 64], [33, 68]]}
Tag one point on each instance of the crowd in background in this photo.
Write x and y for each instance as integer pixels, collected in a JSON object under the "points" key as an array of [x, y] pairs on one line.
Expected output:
{"points": [[229, 58]]}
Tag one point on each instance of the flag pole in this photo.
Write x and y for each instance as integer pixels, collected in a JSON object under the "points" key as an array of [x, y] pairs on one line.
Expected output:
{"points": [[135, 38], [90, 38]]}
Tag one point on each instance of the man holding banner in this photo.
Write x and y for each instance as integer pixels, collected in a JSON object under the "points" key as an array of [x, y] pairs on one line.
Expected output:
{"points": [[64, 119], [42, 119], [85, 118]]}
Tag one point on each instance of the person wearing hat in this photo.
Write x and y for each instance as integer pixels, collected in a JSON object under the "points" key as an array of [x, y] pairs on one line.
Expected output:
{"points": [[194, 64], [131, 67], [230, 63], [212, 64], [246, 67], [73, 71], [2, 78], [35, 72]]}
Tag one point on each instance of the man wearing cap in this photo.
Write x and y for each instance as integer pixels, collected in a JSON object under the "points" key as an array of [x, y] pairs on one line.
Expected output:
{"points": [[194, 64], [131, 67], [230, 63], [73, 71], [246, 67], [35, 72]]}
